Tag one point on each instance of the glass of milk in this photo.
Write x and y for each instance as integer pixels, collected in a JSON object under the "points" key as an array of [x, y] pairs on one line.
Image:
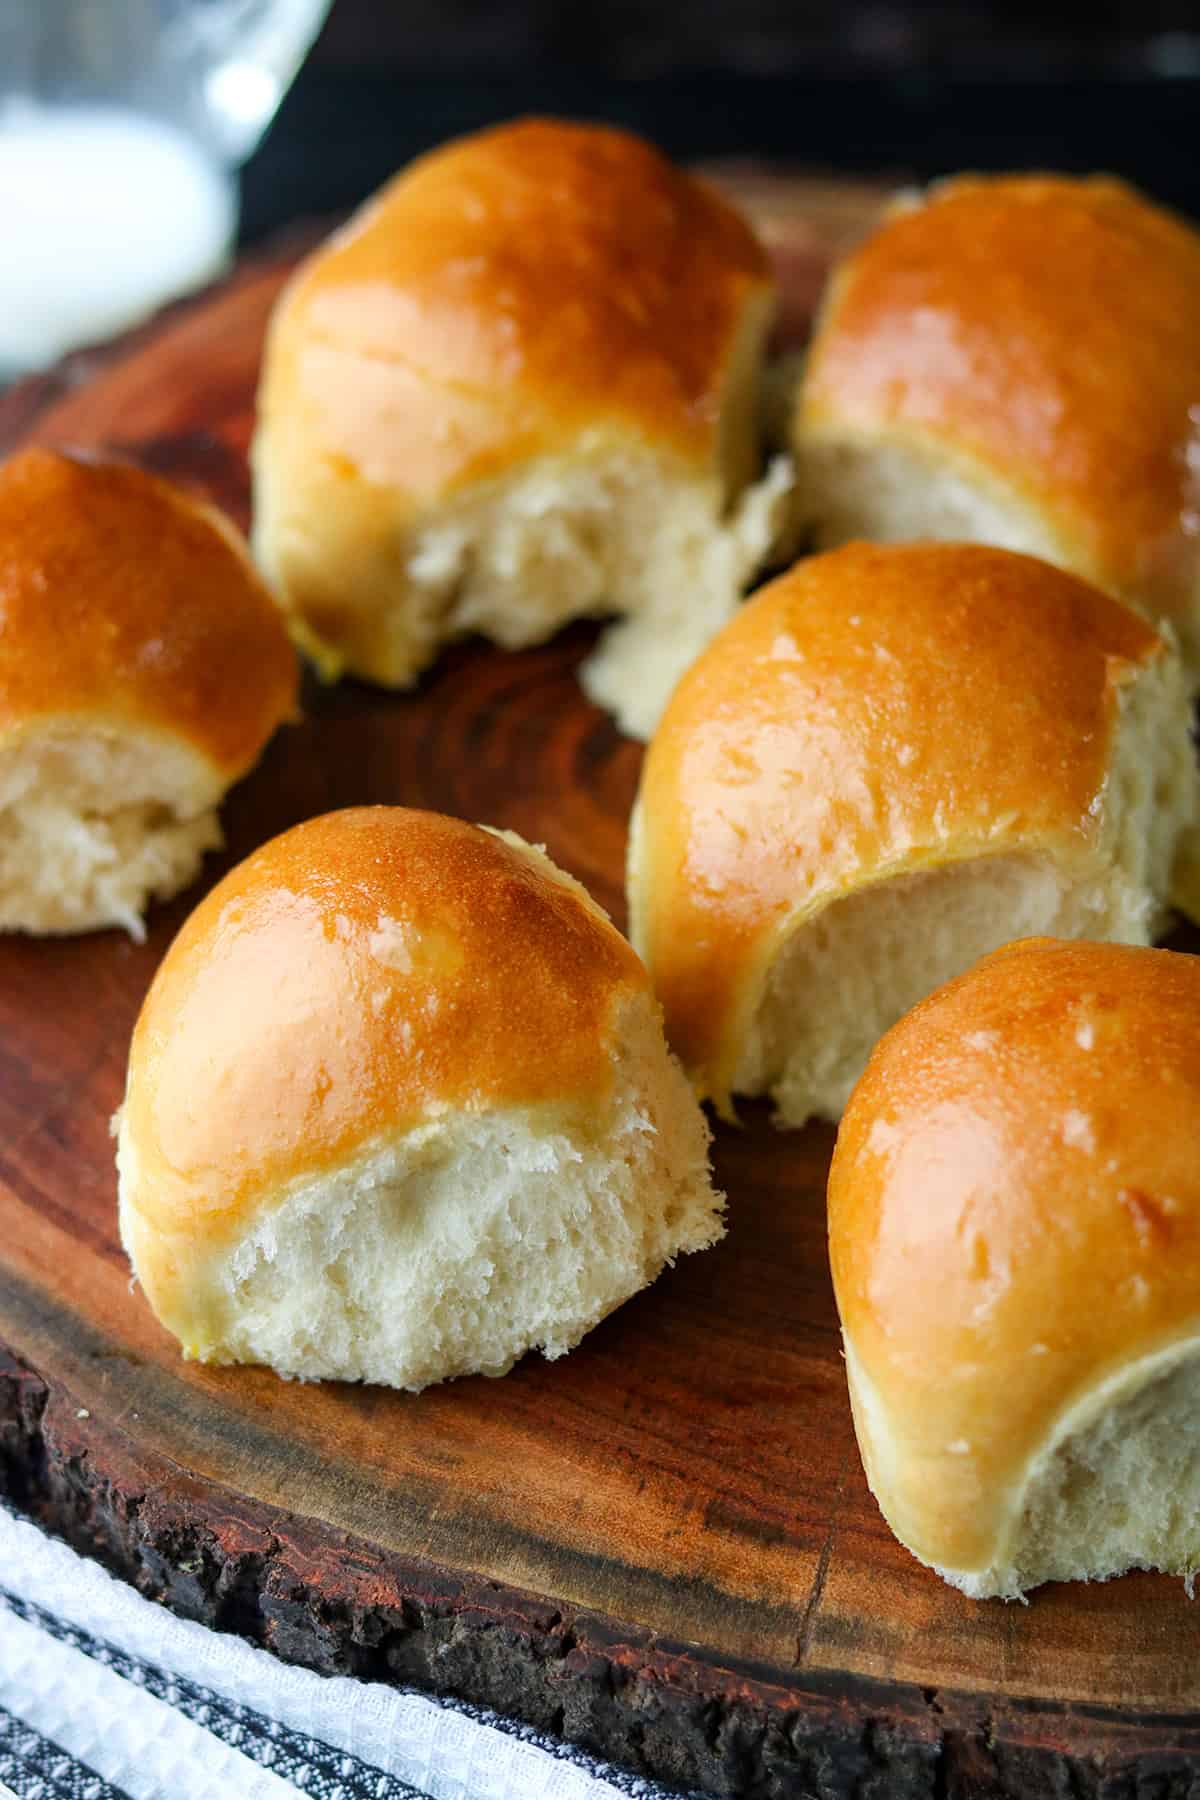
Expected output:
{"points": [[122, 125]]}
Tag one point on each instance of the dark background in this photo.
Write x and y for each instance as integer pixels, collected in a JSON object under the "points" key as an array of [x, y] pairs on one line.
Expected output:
{"points": [[864, 86]]}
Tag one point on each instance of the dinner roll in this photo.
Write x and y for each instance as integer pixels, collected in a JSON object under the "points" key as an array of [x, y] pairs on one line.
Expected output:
{"points": [[143, 667], [399, 1107], [893, 759], [1016, 359], [520, 387], [1014, 1228]]}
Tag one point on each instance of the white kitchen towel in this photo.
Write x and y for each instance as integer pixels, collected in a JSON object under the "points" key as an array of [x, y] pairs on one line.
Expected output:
{"points": [[106, 1696]]}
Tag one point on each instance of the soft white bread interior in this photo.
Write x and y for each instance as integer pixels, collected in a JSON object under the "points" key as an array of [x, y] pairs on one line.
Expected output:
{"points": [[96, 821], [143, 667], [1015, 360], [456, 1246], [892, 761], [1014, 1229], [438, 1127], [522, 387]]}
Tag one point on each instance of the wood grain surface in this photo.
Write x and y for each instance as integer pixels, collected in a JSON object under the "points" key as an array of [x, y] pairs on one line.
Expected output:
{"points": [[662, 1547]]}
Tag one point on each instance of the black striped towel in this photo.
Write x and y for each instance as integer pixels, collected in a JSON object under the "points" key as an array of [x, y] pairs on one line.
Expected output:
{"points": [[105, 1696]]}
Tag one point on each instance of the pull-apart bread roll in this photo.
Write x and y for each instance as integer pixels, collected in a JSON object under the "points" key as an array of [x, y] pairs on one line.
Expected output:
{"points": [[892, 760], [1016, 360], [521, 387], [1014, 1229], [143, 667], [399, 1107]]}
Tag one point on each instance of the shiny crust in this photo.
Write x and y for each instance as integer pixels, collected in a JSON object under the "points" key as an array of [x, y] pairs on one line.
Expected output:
{"points": [[1043, 332], [125, 602], [504, 296], [360, 974], [873, 712], [1014, 1217]]}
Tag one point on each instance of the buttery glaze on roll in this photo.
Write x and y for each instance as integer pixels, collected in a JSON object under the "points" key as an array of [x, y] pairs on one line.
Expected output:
{"points": [[1016, 359], [399, 1108], [519, 388], [143, 667], [892, 760], [1014, 1229]]}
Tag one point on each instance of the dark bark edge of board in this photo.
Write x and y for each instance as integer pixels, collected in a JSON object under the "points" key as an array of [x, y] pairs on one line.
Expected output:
{"points": [[663, 1709]]}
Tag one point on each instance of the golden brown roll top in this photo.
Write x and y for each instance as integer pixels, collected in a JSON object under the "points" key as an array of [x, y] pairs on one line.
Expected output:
{"points": [[1014, 1226], [364, 971], [876, 712], [514, 289], [124, 602], [1038, 338]]}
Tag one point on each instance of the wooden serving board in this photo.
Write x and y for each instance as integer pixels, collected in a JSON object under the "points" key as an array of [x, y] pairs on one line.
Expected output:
{"points": [[662, 1547]]}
